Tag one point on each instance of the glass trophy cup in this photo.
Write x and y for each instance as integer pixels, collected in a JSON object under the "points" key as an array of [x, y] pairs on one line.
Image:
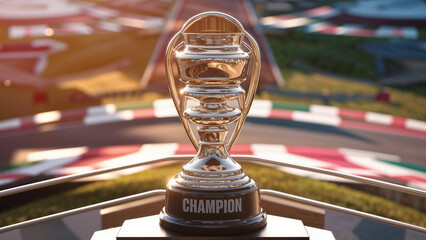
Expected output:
{"points": [[212, 194]]}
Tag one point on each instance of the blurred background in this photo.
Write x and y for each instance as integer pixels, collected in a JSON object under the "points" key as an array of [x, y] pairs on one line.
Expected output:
{"points": [[343, 87], [58, 55]]}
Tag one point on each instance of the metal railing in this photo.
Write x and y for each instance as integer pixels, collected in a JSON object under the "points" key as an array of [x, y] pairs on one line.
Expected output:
{"points": [[240, 158], [84, 209], [315, 203]]}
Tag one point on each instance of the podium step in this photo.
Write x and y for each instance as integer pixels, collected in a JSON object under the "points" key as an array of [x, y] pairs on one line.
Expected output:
{"points": [[277, 228]]}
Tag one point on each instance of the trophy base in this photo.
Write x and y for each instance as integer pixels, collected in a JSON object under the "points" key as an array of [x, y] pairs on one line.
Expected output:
{"points": [[201, 227], [213, 209]]}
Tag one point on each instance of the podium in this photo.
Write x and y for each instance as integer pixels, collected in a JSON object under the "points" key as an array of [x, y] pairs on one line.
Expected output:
{"points": [[276, 228]]}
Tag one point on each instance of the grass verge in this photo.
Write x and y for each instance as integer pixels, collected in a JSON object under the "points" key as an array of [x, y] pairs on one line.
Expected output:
{"points": [[268, 178], [337, 54], [402, 103], [340, 55]]}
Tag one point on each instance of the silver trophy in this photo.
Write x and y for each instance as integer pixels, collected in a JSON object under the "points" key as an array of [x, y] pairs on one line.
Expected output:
{"points": [[212, 194]]}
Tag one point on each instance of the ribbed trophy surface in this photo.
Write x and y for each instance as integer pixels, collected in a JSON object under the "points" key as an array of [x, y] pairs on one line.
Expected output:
{"points": [[212, 195]]}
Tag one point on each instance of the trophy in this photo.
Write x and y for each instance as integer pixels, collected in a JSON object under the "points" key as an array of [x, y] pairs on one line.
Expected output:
{"points": [[212, 194]]}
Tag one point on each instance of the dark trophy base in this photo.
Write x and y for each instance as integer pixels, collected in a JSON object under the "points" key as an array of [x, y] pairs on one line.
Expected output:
{"points": [[213, 211], [201, 227]]}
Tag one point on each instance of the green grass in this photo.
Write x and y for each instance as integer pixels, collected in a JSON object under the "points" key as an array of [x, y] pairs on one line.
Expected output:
{"points": [[9, 166], [337, 54], [403, 103], [84, 53], [422, 32], [267, 178], [341, 55]]}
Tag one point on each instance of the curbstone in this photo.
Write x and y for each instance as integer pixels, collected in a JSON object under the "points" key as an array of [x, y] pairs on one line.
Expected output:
{"points": [[164, 108]]}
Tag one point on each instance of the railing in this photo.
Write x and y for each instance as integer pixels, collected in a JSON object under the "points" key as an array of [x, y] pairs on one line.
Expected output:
{"points": [[240, 158]]}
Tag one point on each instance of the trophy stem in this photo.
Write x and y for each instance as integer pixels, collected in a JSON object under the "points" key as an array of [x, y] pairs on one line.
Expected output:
{"points": [[212, 134], [212, 195]]}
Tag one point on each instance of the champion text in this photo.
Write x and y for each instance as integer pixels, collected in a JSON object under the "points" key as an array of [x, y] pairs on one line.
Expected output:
{"points": [[212, 206]]}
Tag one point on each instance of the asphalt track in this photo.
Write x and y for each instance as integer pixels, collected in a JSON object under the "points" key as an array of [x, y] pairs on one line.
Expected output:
{"points": [[268, 131]]}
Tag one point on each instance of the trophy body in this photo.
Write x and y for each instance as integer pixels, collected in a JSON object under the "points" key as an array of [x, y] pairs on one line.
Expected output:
{"points": [[212, 194]]}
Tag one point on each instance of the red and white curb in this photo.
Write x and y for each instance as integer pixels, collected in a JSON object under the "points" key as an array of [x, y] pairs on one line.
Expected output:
{"points": [[38, 49], [164, 108], [56, 116], [88, 18], [359, 31], [60, 162], [313, 21], [319, 13], [370, 117]]}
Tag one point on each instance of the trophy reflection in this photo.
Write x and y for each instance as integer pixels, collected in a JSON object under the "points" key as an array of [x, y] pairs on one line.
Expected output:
{"points": [[212, 194]]}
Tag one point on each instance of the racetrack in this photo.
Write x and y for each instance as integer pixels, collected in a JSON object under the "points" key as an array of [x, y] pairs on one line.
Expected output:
{"points": [[154, 74], [410, 149]]}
